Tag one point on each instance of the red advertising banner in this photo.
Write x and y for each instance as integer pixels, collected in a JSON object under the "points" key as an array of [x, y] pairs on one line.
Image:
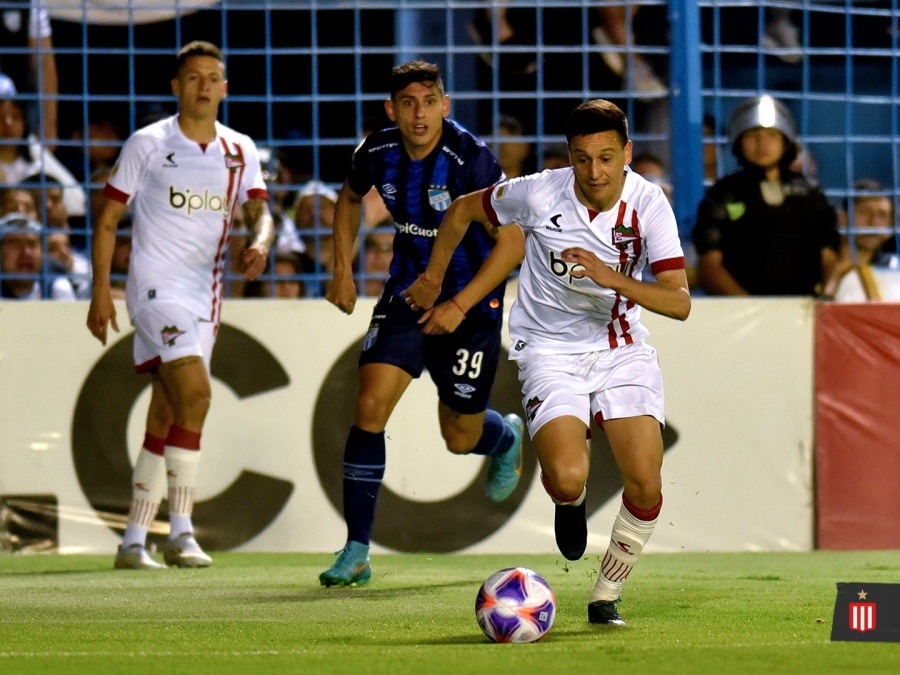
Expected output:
{"points": [[857, 408]]}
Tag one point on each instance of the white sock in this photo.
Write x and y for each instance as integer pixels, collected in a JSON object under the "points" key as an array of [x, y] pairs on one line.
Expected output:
{"points": [[629, 535], [148, 487], [181, 467]]}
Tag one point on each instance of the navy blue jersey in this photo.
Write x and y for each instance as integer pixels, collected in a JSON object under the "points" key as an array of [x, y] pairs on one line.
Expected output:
{"points": [[418, 192]]}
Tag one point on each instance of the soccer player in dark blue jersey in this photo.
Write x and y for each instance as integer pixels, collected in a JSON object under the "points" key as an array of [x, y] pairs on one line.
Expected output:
{"points": [[419, 167]]}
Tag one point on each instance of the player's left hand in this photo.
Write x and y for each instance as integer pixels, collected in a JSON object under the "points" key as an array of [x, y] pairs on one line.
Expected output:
{"points": [[253, 261], [587, 264], [441, 319], [422, 293]]}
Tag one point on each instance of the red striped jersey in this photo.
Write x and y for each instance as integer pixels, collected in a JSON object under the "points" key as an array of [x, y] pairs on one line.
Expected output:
{"points": [[183, 197], [557, 310]]}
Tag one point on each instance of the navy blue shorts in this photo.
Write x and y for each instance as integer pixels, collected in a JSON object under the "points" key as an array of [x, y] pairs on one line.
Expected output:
{"points": [[461, 364]]}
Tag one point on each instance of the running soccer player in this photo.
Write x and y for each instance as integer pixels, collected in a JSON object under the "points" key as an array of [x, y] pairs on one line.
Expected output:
{"points": [[184, 176], [585, 232], [419, 166]]}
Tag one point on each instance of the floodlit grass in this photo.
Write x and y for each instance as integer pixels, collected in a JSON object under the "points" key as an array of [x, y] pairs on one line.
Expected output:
{"points": [[266, 613]]}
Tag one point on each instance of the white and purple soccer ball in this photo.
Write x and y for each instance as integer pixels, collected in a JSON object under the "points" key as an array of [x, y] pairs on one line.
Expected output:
{"points": [[515, 605]]}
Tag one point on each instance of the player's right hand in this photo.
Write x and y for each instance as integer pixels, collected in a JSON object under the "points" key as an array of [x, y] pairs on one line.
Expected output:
{"points": [[342, 293], [102, 312]]}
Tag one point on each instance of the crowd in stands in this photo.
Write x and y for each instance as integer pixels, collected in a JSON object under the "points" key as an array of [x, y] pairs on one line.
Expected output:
{"points": [[766, 229]]}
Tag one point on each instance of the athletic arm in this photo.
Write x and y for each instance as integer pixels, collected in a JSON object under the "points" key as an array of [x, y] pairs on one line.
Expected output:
{"points": [[43, 65], [102, 310], [463, 211], [507, 254], [715, 278], [347, 217], [668, 295], [256, 255]]}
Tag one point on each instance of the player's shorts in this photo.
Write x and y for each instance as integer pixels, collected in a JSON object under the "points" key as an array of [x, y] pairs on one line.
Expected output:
{"points": [[608, 384], [461, 364], [165, 331]]}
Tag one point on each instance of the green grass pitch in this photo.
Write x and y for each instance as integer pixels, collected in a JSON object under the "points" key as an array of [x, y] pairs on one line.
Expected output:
{"points": [[265, 613]]}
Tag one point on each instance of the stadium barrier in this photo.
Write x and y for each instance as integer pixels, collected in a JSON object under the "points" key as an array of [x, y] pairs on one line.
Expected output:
{"points": [[737, 474]]}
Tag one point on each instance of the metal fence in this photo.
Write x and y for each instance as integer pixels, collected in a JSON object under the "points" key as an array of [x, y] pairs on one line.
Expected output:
{"points": [[307, 80]]}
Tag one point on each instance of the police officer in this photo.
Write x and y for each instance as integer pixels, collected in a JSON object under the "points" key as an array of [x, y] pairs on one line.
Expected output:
{"points": [[765, 229]]}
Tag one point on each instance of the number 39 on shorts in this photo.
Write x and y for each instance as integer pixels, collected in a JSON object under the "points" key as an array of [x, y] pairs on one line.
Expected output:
{"points": [[464, 364]]}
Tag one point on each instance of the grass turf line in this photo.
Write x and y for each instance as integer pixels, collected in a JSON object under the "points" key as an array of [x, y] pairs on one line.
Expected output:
{"points": [[260, 613]]}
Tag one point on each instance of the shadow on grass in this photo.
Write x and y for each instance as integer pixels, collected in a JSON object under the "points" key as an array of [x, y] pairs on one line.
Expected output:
{"points": [[355, 593]]}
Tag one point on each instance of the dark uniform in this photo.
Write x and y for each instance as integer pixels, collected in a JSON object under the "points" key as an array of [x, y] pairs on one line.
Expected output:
{"points": [[769, 248], [417, 193]]}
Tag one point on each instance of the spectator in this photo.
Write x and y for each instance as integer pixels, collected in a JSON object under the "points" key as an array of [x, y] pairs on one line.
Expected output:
{"points": [[765, 230], [16, 199], [282, 282], [48, 192], [513, 152], [377, 260], [556, 156], [22, 154], [781, 34], [35, 71], [100, 148], [314, 213], [614, 34], [864, 271], [22, 260], [652, 168]]}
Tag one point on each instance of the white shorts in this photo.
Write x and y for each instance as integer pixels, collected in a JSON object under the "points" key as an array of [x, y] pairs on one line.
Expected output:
{"points": [[608, 384], [165, 331]]}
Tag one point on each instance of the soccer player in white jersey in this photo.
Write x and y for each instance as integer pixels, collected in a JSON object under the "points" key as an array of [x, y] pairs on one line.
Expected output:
{"points": [[184, 176], [585, 233]]}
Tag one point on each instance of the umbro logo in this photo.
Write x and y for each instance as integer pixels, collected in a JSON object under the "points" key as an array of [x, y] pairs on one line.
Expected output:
{"points": [[171, 163], [555, 227], [464, 390]]}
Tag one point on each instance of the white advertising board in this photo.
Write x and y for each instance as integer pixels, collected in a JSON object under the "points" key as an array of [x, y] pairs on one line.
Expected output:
{"points": [[737, 474]]}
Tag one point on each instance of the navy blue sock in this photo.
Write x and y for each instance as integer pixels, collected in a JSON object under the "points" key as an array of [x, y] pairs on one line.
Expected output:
{"points": [[496, 437], [364, 458]]}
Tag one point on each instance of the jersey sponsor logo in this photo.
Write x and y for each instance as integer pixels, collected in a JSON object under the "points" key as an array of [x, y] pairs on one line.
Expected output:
{"points": [[531, 408], [388, 191], [453, 155], [416, 230], [439, 199], [560, 268], [194, 201], [170, 161], [169, 334], [555, 227]]}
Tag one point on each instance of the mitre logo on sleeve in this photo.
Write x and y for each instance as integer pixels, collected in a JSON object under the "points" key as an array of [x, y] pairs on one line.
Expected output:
{"points": [[866, 612]]}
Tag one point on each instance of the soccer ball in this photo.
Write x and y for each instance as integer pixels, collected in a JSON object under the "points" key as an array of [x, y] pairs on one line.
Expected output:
{"points": [[515, 605]]}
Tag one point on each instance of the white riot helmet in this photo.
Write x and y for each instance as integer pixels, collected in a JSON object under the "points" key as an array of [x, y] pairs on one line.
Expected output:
{"points": [[767, 113]]}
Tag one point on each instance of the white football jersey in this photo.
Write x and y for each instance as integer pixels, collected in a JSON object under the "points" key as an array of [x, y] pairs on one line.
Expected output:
{"points": [[557, 310], [183, 197]]}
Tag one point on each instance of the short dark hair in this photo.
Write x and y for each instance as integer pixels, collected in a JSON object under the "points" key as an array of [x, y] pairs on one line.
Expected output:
{"points": [[875, 189], [415, 71], [197, 48], [597, 116]]}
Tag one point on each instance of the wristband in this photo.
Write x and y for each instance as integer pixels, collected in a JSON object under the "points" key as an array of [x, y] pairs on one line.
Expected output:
{"points": [[453, 300]]}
